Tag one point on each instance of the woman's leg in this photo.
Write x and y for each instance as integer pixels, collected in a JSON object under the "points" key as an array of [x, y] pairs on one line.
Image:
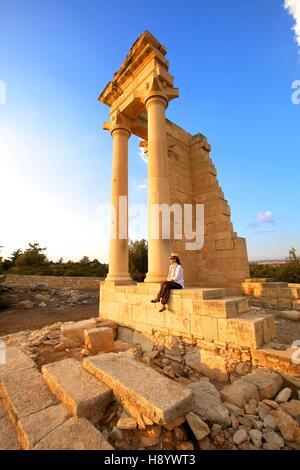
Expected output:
{"points": [[167, 291], [161, 292]]}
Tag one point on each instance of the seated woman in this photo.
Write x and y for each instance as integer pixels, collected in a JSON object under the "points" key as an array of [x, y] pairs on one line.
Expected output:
{"points": [[174, 281]]}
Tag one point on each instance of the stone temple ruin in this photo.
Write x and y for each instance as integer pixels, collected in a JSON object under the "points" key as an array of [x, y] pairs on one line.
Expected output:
{"points": [[208, 373], [180, 170]]}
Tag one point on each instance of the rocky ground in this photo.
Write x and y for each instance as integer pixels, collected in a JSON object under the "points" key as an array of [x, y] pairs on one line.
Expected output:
{"points": [[255, 411], [39, 306]]}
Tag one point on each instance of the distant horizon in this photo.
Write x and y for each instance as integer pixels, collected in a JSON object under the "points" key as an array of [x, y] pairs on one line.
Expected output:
{"points": [[77, 259]]}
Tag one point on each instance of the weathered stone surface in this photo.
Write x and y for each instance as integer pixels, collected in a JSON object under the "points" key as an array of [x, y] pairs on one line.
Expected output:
{"points": [[273, 404], [185, 445], [99, 340], [204, 444], [175, 423], [217, 435], [126, 422], [74, 434], [8, 437], [157, 397], [23, 304], [274, 438], [234, 422], [199, 427], [293, 409], [26, 392], [146, 344], [240, 436], [33, 428], [287, 426], [270, 421], [245, 421], [16, 359], [269, 446], [283, 395], [267, 382], [263, 410], [209, 403], [150, 435], [233, 409], [250, 408], [240, 393], [79, 390], [256, 437], [125, 334], [75, 331], [2, 409], [257, 424]]}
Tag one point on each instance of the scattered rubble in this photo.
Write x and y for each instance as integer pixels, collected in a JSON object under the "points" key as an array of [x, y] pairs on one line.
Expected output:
{"points": [[258, 410]]}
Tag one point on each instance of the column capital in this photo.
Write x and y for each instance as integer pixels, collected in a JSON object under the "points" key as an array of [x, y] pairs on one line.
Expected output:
{"points": [[159, 90], [118, 122]]}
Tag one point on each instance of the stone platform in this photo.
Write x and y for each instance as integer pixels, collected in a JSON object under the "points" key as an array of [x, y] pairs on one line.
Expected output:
{"points": [[193, 313]]}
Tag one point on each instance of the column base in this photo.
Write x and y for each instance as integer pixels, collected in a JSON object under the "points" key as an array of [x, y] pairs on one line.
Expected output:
{"points": [[120, 278]]}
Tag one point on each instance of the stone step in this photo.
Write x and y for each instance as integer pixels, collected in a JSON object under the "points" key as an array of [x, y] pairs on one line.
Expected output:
{"points": [[8, 435], [227, 307], [74, 434], [251, 329], [81, 393], [31, 417], [208, 292], [23, 390], [141, 387], [15, 359], [75, 330]]}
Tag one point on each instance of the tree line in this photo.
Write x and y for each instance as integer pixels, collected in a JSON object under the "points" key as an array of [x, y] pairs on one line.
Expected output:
{"points": [[289, 271], [34, 261]]}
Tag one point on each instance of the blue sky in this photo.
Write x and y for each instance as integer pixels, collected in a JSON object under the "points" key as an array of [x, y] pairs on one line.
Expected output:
{"points": [[234, 63]]}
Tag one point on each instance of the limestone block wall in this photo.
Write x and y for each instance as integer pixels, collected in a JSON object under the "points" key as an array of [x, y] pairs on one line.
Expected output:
{"points": [[193, 313], [275, 295], [53, 282], [223, 260]]}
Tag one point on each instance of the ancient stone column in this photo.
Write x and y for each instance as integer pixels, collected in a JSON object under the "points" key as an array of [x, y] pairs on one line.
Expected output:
{"points": [[118, 252], [158, 184]]}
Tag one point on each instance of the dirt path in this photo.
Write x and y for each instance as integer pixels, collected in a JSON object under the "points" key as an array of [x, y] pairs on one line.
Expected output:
{"points": [[13, 320]]}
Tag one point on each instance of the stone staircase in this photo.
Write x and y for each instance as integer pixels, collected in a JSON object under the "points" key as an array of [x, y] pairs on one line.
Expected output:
{"points": [[56, 409], [32, 417], [244, 325]]}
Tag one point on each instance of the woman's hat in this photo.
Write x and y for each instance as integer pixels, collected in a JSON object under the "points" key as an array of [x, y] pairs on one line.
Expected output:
{"points": [[174, 255]]}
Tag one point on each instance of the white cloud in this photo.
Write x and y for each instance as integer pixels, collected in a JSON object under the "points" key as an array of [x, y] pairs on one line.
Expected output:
{"points": [[293, 7], [265, 217], [140, 186]]}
